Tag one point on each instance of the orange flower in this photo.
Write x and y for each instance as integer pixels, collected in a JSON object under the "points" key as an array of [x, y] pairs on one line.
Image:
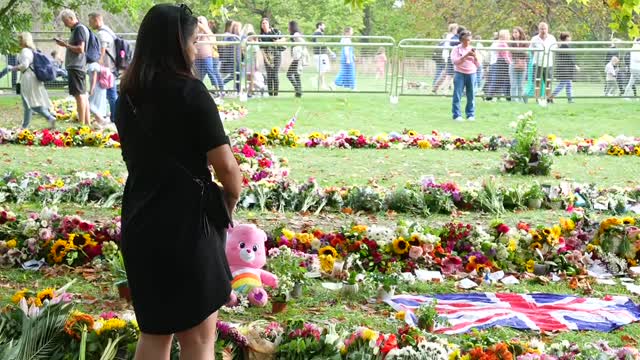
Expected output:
{"points": [[74, 324]]}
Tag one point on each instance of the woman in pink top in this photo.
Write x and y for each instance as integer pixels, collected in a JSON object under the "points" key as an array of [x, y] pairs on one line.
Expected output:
{"points": [[207, 59], [465, 65]]}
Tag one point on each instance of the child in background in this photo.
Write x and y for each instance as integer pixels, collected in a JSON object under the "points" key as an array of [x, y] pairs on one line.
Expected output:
{"points": [[381, 63], [257, 82], [611, 71], [251, 59], [98, 103]]}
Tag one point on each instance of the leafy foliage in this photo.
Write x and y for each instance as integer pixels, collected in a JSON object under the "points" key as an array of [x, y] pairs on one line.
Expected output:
{"points": [[525, 156]]}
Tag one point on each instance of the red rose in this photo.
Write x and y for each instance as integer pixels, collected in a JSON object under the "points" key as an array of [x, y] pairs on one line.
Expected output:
{"points": [[502, 229]]}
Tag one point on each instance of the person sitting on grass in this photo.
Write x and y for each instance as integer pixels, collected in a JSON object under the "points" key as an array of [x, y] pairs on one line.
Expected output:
{"points": [[465, 64]]}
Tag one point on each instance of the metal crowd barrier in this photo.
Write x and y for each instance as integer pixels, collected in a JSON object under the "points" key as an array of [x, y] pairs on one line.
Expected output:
{"points": [[412, 67]]}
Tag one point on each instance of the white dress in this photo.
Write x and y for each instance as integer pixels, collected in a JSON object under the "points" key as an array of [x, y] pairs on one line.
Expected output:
{"points": [[31, 89], [98, 103]]}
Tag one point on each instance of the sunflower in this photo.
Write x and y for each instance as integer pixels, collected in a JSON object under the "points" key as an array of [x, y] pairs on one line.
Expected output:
{"points": [[546, 231], [609, 223], [629, 221], [567, 224], [637, 150], [111, 324], [536, 237], [22, 294], [262, 139], [621, 152], [412, 133], [424, 144], [275, 132], [58, 251], [590, 248], [46, 294], [359, 229], [400, 246], [536, 245], [328, 251], [415, 240], [79, 241], [326, 263], [530, 266], [612, 150]]}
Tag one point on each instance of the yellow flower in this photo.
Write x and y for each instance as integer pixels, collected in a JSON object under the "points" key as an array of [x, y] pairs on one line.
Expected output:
{"points": [[354, 132], [454, 355], [637, 150], [12, 243], [424, 144], [359, 229], [109, 325], [22, 294], [513, 245], [262, 139], [530, 266], [305, 238], [536, 245], [546, 231], [400, 315], [632, 262], [58, 251], [288, 234], [628, 221], [609, 223], [567, 224], [275, 132], [294, 145], [328, 251], [368, 334], [326, 263], [400, 246], [46, 294], [590, 247], [412, 133], [551, 137], [59, 183]]}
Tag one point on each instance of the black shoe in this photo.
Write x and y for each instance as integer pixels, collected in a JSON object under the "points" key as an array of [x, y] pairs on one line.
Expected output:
{"points": [[298, 95]]}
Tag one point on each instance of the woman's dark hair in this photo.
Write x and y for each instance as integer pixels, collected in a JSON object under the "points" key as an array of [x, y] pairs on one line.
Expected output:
{"points": [[564, 36], [464, 33], [521, 33], [294, 28], [261, 21], [227, 25], [161, 47], [460, 30]]}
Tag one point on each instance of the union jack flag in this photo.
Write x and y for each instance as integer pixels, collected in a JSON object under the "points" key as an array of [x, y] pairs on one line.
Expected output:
{"points": [[541, 312]]}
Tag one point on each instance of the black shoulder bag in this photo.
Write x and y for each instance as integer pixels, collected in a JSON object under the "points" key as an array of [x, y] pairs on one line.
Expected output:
{"points": [[211, 195]]}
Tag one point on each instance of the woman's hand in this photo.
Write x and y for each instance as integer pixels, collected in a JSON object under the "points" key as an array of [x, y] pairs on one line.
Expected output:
{"points": [[227, 170]]}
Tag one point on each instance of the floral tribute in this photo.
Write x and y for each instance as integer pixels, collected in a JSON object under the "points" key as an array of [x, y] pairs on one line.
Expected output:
{"points": [[230, 111], [76, 334], [64, 109], [56, 238], [72, 137]]}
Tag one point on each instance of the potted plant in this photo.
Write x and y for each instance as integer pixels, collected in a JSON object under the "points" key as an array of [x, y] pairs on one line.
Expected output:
{"points": [[534, 197], [428, 316], [386, 285], [285, 263], [116, 265], [350, 285], [280, 295]]}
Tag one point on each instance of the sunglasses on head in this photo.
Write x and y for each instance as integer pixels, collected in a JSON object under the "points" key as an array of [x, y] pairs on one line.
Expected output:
{"points": [[185, 9]]}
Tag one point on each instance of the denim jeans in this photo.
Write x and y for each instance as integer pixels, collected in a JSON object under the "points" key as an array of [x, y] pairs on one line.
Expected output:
{"points": [[460, 82], [112, 97], [478, 81], [28, 112], [210, 67], [516, 79], [564, 84], [438, 73]]}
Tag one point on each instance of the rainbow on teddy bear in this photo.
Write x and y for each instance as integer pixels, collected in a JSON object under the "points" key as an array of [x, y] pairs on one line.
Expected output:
{"points": [[246, 256]]}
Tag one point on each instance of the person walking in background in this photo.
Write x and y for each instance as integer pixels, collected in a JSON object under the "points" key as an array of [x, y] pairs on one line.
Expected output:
{"points": [[465, 62], [634, 68], [500, 69], [347, 74], [440, 62], [272, 55], [232, 56], [451, 40], [34, 95], [566, 68], [518, 66], [158, 91], [543, 60], [107, 56], [611, 73], [207, 57], [251, 60], [321, 58], [297, 55], [98, 104], [76, 62], [381, 63], [59, 64], [11, 62], [480, 55]]}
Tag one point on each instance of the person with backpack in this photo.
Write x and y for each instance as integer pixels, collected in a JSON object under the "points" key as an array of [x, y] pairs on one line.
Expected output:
{"points": [[34, 95], [82, 48], [109, 54]]}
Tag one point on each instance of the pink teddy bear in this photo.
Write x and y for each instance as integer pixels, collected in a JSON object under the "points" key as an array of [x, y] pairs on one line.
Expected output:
{"points": [[246, 256]]}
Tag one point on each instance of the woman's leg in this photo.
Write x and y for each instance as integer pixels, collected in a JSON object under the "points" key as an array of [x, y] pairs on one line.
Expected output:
{"points": [[215, 70], [470, 109], [277, 59], [26, 119], [520, 75], [198, 343], [458, 85], [293, 68], [45, 112], [569, 89], [154, 347], [561, 85], [513, 88]]}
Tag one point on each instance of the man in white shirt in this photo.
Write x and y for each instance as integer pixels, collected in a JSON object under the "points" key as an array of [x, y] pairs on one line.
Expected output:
{"points": [[107, 55], [543, 60]]}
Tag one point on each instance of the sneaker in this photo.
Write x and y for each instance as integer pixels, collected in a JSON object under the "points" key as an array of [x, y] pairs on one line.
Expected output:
{"points": [[471, 118], [459, 119]]}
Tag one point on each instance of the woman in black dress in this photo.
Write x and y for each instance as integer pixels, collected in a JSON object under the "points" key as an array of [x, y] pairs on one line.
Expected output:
{"points": [[272, 55], [173, 227]]}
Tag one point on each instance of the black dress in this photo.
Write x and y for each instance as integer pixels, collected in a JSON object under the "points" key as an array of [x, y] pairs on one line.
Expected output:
{"points": [[175, 261]]}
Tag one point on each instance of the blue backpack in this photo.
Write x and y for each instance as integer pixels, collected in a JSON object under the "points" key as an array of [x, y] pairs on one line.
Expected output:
{"points": [[43, 67], [93, 46]]}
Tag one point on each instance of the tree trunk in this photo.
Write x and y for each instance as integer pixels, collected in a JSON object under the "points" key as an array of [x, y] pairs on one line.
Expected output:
{"points": [[36, 19], [368, 22]]}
